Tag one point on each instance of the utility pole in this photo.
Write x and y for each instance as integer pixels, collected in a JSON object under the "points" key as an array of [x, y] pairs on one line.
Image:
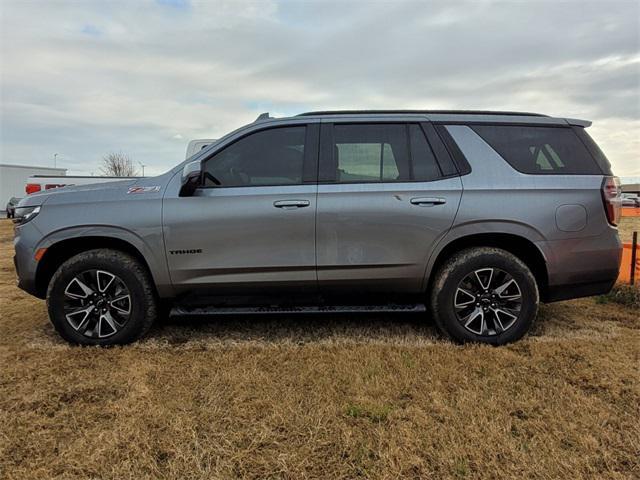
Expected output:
{"points": [[55, 160], [142, 165]]}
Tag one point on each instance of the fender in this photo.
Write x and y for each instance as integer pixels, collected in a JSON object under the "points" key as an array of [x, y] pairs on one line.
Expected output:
{"points": [[154, 257], [480, 227]]}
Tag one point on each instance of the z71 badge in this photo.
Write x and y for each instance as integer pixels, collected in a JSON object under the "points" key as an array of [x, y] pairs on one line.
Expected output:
{"points": [[155, 188]]}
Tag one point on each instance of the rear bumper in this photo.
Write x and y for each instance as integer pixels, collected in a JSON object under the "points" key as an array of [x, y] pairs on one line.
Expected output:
{"points": [[577, 290], [582, 267]]}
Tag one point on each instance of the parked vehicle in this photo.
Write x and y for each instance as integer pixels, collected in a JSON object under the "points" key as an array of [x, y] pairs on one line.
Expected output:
{"points": [[195, 146], [476, 216], [39, 183], [630, 200], [11, 206]]}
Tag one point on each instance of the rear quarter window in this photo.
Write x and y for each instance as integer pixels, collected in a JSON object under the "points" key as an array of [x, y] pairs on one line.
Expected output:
{"points": [[540, 150]]}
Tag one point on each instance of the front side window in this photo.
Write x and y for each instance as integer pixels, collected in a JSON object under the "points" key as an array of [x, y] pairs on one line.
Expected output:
{"points": [[267, 157]]}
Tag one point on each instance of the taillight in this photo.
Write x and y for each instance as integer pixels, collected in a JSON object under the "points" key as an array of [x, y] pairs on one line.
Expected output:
{"points": [[611, 199], [32, 188]]}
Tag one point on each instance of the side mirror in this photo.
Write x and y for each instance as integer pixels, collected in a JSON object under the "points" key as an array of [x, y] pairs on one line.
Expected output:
{"points": [[191, 174]]}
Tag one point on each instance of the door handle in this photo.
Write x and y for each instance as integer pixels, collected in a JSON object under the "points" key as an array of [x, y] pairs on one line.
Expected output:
{"points": [[428, 201], [290, 204]]}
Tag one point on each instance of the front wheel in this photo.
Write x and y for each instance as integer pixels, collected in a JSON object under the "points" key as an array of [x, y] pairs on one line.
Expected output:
{"points": [[101, 297], [484, 295]]}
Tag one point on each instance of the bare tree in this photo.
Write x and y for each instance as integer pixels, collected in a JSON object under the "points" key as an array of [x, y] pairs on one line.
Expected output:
{"points": [[118, 165]]}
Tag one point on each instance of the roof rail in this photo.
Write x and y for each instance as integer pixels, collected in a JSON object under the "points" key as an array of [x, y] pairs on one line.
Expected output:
{"points": [[446, 112]]}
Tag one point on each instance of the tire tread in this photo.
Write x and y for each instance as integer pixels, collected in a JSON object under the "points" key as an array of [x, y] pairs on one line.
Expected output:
{"points": [[126, 261]]}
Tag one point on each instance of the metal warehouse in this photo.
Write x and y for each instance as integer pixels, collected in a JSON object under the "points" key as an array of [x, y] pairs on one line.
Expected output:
{"points": [[13, 179]]}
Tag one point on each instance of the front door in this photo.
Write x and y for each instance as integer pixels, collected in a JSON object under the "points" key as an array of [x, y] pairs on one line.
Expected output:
{"points": [[383, 202], [250, 227]]}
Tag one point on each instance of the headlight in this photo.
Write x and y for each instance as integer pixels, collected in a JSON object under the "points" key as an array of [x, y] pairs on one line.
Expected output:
{"points": [[23, 214]]}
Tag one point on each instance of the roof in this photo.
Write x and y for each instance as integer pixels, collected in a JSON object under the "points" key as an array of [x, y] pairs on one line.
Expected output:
{"points": [[434, 112], [33, 167], [81, 176]]}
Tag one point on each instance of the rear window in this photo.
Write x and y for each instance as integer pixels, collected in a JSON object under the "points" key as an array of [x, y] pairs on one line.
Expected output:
{"points": [[598, 155], [540, 150]]}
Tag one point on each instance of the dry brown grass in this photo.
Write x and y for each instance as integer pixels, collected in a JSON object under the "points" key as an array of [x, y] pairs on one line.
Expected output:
{"points": [[627, 226], [319, 397]]}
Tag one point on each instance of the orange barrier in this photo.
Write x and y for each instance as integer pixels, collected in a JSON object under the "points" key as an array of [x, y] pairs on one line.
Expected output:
{"points": [[625, 264], [630, 212]]}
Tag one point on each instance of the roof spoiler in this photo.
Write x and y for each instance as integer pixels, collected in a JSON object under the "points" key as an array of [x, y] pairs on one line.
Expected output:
{"points": [[578, 123]]}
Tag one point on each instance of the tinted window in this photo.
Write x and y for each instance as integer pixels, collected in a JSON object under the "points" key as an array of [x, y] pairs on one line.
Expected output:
{"points": [[268, 157], [371, 153], [425, 167], [541, 150], [597, 154], [380, 153]]}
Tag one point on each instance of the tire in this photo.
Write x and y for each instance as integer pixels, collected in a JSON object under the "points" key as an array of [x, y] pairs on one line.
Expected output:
{"points": [[460, 305], [121, 276]]}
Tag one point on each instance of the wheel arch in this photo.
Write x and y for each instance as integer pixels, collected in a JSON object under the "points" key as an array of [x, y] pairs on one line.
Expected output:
{"points": [[518, 245], [59, 252]]}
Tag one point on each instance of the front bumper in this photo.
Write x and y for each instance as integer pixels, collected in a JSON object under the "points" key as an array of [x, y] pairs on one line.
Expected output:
{"points": [[24, 262]]}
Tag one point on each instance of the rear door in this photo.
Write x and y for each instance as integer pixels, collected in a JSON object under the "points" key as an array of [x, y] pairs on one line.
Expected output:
{"points": [[384, 200]]}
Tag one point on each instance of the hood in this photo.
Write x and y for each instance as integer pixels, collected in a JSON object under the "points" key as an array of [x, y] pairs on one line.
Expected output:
{"points": [[82, 193]]}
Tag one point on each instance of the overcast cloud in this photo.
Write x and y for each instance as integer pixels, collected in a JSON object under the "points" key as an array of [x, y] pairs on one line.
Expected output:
{"points": [[143, 77]]}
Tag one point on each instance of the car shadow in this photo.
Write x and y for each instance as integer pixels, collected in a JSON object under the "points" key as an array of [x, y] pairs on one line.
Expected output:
{"points": [[296, 328]]}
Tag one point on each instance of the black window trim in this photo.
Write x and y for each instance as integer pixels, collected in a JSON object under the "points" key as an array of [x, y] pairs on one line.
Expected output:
{"points": [[327, 177], [309, 162], [458, 158], [440, 151]]}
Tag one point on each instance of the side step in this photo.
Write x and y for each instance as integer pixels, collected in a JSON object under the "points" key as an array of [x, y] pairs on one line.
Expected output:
{"points": [[180, 310]]}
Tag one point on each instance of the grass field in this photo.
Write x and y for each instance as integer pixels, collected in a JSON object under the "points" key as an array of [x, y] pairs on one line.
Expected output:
{"points": [[627, 226], [319, 397]]}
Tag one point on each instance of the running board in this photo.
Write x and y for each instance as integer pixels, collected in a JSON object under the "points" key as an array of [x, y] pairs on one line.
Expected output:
{"points": [[182, 310]]}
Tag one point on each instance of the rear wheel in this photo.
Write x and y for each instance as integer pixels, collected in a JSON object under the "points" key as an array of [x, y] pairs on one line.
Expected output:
{"points": [[101, 297], [485, 295]]}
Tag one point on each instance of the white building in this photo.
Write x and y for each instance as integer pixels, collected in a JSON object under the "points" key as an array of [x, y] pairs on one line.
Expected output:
{"points": [[13, 179]]}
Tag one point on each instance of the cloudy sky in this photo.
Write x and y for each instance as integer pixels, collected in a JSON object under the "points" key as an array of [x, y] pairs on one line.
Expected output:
{"points": [[83, 78]]}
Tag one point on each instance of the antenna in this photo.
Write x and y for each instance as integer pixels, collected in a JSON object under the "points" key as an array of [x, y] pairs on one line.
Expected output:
{"points": [[263, 116]]}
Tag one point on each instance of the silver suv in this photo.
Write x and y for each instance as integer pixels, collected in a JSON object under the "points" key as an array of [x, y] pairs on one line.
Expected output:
{"points": [[475, 216]]}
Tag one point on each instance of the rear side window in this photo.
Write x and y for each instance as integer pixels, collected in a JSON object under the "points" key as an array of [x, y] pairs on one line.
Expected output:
{"points": [[378, 152], [540, 150], [371, 153], [425, 166]]}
